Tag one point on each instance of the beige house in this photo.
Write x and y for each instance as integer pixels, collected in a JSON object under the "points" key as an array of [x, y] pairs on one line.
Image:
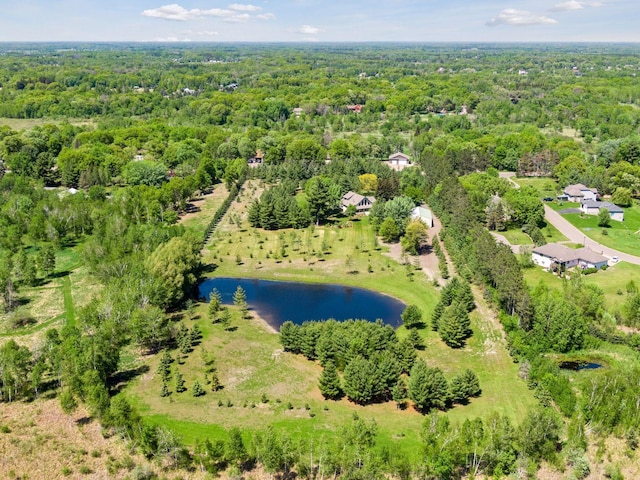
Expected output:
{"points": [[564, 257], [398, 161], [363, 204], [578, 193]]}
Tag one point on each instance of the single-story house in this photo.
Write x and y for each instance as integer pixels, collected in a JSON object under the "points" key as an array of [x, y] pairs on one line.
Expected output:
{"points": [[424, 215], [257, 159], [578, 193], [399, 161], [592, 207], [560, 255], [363, 204]]}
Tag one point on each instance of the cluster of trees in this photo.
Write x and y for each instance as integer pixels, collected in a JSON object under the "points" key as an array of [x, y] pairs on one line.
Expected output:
{"points": [[451, 315], [375, 364], [278, 208]]}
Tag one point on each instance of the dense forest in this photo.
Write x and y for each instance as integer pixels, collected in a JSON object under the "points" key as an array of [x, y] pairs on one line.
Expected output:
{"points": [[104, 148]]}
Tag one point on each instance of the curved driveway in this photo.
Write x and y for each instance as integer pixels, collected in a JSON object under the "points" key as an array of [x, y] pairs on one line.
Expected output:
{"points": [[576, 236]]}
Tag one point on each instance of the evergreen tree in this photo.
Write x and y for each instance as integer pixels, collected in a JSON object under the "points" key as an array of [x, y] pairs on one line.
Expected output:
{"points": [[215, 382], [179, 388], [427, 387], [416, 340], [225, 319], [464, 386], [464, 295], [215, 304], [412, 317], [165, 390], [253, 215], [164, 367], [197, 390], [406, 355], [399, 393], [359, 380], [329, 383], [240, 300], [454, 326], [437, 314], [46, 261]]}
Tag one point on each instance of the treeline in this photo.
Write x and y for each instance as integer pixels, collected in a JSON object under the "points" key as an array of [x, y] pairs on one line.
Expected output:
{"points": [[375, 365]]}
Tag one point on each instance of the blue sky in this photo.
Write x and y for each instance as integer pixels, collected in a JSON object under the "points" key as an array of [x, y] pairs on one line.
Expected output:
{"points": [[327, 20]]}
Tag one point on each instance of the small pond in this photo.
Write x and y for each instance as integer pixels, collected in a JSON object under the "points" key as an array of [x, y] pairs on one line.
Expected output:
{"points": [[576, 366], [276, 302]]}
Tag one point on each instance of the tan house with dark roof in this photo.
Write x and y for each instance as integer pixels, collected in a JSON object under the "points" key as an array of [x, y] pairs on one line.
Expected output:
{"points": [[363, 204], [579, 193], [554, 253]]}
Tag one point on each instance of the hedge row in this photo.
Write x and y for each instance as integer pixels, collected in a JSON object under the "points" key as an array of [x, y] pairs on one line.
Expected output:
{"points": [[222, 210]]}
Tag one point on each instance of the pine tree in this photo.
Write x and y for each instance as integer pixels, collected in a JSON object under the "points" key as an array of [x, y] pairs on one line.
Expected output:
{"points": [[329, 383], [399, 393], [215, 382], [195, 335], [415, 339], [46, 261], [428, 387], [437, 314], [164, 367], [225, 319], [179, 383], [197, 390], [165, 390], [412, 317], [454, 326], [215, 304], [465, 296], [240, 300]]}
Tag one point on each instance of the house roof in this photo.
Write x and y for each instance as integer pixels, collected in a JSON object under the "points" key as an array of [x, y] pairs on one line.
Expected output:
{"points": [[353, 198], [577, 189], [399, 156], [566, 254], [613, 208], [422, 212]]}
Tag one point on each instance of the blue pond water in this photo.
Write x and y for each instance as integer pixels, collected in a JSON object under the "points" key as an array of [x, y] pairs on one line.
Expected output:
{"points": [[277, 302]]}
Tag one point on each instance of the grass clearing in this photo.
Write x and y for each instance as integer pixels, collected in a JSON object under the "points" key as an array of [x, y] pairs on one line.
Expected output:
{"points": [[547, 187], [623, 236], [348, 253], [517, 237], [611, 281], [18, 124], [203, 209]]}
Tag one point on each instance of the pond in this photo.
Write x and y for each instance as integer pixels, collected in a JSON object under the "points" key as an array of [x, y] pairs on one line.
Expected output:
{"points": [[579, 365], [276, 302]]}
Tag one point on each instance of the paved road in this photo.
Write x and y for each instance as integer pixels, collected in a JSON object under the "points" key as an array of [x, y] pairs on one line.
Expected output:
{"points": [[576, 236]]}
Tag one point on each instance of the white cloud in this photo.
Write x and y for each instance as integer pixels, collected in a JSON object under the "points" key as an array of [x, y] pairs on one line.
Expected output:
{"points": [[521, 18], [235, 13], [266, 16], [309, 30], [239, 7], [575, 5]]}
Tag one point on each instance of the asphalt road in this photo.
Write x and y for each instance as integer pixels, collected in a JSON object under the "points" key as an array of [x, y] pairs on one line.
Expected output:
{"points": [[576, 236]]}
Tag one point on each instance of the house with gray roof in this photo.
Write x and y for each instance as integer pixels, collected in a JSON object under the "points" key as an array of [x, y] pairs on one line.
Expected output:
{"points": [[592, 207], [363, 204], [578, 193], [564, 257]]}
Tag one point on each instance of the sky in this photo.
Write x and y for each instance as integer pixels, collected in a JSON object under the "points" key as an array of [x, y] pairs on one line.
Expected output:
{"points": [[321, 20]]}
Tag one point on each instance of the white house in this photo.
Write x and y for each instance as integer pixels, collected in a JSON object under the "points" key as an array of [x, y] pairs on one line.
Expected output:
{"points": [[579, 193], [363, 204], [399, 161], [592, 207], [553, 253], [424, 215]]}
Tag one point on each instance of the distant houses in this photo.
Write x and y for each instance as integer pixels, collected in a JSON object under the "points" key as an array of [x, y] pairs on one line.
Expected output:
{"points": [[593, 207], [399, 161], [554, 256], [578, 193], [257, 159], [363, 204]]}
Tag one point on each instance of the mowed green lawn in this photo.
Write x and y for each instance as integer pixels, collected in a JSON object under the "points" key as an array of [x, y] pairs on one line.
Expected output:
{"points": [[623, 236], [547, 187], [249, 363], [612, 281]]}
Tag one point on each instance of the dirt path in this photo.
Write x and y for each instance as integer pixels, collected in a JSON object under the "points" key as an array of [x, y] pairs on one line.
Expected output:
{"points": [[428, 260]]}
